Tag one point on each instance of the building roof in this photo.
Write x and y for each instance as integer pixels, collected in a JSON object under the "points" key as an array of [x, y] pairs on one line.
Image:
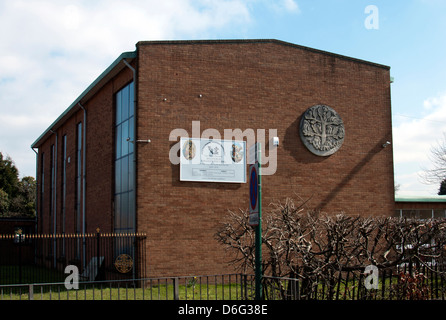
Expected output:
{"points": [[109, 73], [420, 199], [118, 65], [241, 41]]}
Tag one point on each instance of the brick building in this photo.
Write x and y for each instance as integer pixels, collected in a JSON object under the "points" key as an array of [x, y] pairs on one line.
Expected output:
{"points": [[427, 207], [108, 161]]}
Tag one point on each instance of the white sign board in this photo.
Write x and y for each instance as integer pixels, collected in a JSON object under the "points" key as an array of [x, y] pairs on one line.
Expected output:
{"points": [[208, 160]]}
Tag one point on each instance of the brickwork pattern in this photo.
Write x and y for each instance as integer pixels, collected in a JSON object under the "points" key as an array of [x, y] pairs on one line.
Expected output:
{"points": [[258, 86], [229, 85]]}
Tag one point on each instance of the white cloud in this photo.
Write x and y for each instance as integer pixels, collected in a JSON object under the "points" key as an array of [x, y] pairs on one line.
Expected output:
{"points": [[291, 5], [413, 139], [50, 51], [282, 6]]}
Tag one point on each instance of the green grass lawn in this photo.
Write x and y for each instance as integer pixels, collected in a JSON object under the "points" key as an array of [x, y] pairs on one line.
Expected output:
{"points": [[105, 292]]}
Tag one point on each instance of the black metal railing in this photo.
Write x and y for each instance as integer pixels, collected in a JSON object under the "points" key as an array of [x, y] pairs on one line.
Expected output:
{"points": [[203, 287], [41, 258], [393, 285]]}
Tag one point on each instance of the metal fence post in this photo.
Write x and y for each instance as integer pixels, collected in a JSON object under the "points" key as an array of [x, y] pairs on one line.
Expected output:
{"points": [[97, 252], [20, 258], [176, 289], [244, 286], [31, 292]]}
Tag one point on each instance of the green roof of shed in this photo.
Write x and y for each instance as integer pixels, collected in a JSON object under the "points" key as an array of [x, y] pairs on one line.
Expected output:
{"points": [[420, 199]]}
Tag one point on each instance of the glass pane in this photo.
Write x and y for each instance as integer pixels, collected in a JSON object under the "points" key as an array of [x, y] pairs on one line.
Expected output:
{"points": [[118, 142], [424, 214], [125, 103], [125, 174], [117, 210], [124, 136], [131, 100], [131, 134], [131, 172], [124, 210], [131, 210], [439, 213], [118, 176], [79, 136]]}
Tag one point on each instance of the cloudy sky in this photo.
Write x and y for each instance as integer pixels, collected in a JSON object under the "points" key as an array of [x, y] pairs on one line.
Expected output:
{"points": [[51, 50]]}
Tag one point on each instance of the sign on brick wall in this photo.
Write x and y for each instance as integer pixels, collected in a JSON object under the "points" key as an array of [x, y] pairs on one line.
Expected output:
{"points": [[208, 160]]}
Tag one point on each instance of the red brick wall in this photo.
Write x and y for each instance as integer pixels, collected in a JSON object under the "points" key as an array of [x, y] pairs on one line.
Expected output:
{"points": [[244, 85], [45, 221], [260, 86], [99, 158]]}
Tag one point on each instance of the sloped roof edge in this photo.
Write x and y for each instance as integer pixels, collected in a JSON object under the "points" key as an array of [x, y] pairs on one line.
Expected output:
{"points": [[91, 89], [239, 41]]}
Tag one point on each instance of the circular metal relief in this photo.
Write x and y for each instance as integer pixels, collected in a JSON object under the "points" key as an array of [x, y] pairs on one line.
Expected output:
{"points": [[124, 263], [322, 130]]}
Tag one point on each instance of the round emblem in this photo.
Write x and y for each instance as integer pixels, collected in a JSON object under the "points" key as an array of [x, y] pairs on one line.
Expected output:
{"points": [[322, 130], [237, 152], [124, 263], [212, 153], [189, 150]]}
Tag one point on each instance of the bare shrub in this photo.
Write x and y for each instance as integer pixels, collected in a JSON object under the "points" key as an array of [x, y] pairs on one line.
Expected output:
{"points": [[315, 246]]}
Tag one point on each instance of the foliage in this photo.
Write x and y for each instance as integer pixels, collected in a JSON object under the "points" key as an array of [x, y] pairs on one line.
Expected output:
{"points": [[438, 158], [442, 190], [411, 287], [315, 247], [4, 201], [17, 197]]}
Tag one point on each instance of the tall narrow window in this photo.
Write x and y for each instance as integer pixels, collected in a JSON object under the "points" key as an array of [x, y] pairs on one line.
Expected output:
{"points": [[64, 181], [78, 177], [52, 189], [42, 191], [124, 161]]}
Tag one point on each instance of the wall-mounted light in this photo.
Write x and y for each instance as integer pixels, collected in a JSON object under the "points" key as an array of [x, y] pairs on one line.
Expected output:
{"points": [[386, 144], [276, 141], [138, 141]]}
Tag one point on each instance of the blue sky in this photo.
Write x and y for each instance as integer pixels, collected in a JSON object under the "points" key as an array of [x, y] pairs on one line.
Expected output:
{"points": [[51, 50]]}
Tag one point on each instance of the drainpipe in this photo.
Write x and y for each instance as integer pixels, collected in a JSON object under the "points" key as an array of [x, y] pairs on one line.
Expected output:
{"points": [[37, 189], [37, 196], [84, 148], [134, 137], [84, 127]]}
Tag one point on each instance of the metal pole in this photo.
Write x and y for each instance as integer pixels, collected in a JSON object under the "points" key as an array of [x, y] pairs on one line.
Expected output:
{"points": [[98, 263], [258, 235]]}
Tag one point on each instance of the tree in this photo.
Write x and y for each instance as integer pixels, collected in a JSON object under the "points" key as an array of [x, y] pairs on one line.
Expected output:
{"points": [[314, 247], [9, 176], [442, 190], [23, 203], [437, 174], [17, 197], [4, 202]]}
